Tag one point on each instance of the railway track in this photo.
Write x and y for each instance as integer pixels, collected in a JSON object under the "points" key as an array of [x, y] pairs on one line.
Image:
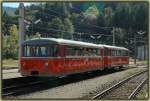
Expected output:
{"points": [[17, 86], [18, 89], [25, 85], [125, 89]]}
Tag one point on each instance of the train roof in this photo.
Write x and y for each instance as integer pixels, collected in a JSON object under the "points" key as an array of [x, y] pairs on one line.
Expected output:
{"points": [[114, 47], [35, 41]]}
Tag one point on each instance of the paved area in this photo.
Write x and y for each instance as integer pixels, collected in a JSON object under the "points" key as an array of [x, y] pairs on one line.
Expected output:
{"points": [[11, 73]]}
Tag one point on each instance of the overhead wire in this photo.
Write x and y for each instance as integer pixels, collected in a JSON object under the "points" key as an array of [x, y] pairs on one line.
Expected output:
{"points": [[75, 9], [60, 16], [43, 13]]}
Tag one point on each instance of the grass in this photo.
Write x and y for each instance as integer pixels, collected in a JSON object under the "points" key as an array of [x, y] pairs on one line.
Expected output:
{"points": [[142, 62], [143, 93], [9, 63], [139, 62]]}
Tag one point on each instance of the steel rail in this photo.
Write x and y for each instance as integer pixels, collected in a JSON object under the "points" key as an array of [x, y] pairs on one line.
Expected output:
{"points": [[8, 91], [106, 91], [133, 94], [22, 85], [15, 89]]}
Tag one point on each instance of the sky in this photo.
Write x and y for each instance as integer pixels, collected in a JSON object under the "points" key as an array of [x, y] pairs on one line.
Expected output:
{"points": [[14, 5]]}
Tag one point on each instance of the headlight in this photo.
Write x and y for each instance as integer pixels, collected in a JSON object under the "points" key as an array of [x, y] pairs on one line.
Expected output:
{"points": [[46, 64], [23, 64]]}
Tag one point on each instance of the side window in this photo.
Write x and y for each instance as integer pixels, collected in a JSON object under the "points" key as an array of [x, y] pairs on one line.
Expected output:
{"points": [[70, 51], [43, 51], [32, 51], [74, 51], [106, 51], [126, 53], [113, 52], [119, 52], [86, 52], [89, 52], [99, 52], [55, 50], [81, 51], [26, 51], [94, 51]]}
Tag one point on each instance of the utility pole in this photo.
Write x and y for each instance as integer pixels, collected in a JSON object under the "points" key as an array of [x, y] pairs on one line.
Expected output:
{"points": [[21, 29], [144, 51], [135, 48], [113, 32]]}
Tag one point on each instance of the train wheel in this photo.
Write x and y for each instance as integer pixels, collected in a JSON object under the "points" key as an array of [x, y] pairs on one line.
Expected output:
{"points": [[116, 68], [101, 69], [120, 67]]}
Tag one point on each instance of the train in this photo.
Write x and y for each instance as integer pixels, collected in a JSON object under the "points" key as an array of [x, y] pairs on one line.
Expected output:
{"points": [[54, 57]]}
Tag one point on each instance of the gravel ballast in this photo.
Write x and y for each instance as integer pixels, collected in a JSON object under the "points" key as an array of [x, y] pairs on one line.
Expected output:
{"points": [[83, 89]]}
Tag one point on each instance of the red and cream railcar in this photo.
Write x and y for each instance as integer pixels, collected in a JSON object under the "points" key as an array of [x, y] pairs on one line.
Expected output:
{"points": [[57, 57], [115, 56]]}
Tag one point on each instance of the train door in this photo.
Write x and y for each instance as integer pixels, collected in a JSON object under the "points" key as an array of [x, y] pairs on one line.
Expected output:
{"points": [[106, 57], [110, 57], [102, 56], [62, 50]]}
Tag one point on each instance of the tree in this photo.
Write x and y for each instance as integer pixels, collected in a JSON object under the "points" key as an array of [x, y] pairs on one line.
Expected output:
{"points": [[69, 28], [56, 28], [5, 23], [108, 17], [8, 21], [5, 46], [13, 42], [140, 16], [10, 43], [92, 10]]}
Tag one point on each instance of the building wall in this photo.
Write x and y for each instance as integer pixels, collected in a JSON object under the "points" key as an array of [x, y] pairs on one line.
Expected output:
{"points": [[142, 52]]}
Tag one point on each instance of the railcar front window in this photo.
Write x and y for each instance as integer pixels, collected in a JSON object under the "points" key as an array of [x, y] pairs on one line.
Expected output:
{"points": [[40, 51]]}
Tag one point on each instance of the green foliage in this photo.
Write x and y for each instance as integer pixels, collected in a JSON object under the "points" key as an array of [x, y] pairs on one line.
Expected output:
{"points": [[8, 21], [10, 11], [69, 29], [10, 43], [92, 10], [108, 16], [57, 27], [62, 20], [131, 15]]}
